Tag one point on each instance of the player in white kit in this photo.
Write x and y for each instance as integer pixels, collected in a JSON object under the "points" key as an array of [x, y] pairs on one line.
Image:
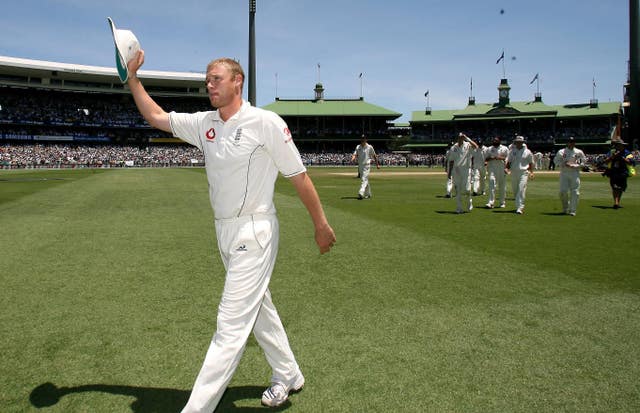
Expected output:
{"points": [[459, 169], [364, 154], [244, 148], [495, 156], [478, 169], [570, 160], [520, 164], [449, 184]]}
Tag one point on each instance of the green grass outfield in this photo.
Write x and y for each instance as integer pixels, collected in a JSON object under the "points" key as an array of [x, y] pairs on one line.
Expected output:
{"points": [[110, 281]]}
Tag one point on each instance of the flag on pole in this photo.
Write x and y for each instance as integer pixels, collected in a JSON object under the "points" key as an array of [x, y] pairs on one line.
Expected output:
{"points": [[500, 58], [594, 82], [534, 78], [360, 76], [426, 93]]}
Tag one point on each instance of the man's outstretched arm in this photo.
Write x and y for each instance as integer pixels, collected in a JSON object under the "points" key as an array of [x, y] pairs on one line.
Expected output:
{"points": [[149, 109]]}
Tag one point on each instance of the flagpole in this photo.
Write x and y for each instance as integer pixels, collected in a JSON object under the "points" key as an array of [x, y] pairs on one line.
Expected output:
{"points": [[251, 94], [498, 61], [361, 94], [276, 85], [504, 73], [536, 79]]}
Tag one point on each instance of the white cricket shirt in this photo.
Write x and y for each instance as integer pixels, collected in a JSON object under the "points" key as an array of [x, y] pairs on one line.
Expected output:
{"points": [[494, 152], [364, 154], [569, 156], [519, 159], [461, 155], [242, 157]]}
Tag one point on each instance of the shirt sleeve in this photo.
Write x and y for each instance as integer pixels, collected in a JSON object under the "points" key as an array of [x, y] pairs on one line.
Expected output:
{"points": [[558, 158], [279, 144], [185, 126]]}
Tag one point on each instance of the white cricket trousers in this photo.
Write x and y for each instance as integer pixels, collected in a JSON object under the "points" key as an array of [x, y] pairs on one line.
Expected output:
{"points": [[248, 246], [497, 184], [478, 180], [462, 183], [519, 181], [449, 186], [365, 189], [569, 190]]}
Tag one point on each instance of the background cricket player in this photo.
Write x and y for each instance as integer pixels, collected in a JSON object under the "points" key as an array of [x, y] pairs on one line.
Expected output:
{"points": [[364, 153], [460, 171], [520, 165], [478, 169], [570, 160], [495, 156], [449, 185]]}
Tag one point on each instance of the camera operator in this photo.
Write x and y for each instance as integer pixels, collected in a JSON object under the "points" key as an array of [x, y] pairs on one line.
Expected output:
{"points": [[619, 167]]}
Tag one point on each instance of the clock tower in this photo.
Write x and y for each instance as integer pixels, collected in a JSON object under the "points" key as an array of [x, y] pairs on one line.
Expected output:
{"points": [[503, 92]]}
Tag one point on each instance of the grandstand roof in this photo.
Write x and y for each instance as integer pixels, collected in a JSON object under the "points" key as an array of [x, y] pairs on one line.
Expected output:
{"points": [[517, 110], [329, 107], [43, 74]]}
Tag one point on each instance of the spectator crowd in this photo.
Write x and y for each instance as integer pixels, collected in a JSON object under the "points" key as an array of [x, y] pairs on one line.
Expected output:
{"points": [[97, 156], [68, 155]]}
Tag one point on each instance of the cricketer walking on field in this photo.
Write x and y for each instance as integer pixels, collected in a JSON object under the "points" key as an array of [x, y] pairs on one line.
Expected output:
{"points": [[364, 154], [245, 148], [460, 157], [570, 160], [478, 169], [495, 156], [520, 165]]}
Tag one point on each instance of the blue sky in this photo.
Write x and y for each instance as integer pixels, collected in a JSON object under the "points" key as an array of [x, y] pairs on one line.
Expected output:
{"points": [[403, 47]]}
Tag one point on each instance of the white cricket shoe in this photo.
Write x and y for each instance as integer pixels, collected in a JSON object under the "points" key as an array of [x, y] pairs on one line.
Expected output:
{"points": [[278, 393]]}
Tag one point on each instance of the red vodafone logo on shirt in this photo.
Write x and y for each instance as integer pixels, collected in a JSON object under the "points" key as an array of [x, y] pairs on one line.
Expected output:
{"points": [[210, 135], [287, 133]]}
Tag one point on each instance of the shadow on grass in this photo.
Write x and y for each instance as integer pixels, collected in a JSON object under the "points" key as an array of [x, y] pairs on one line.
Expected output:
{"points": [[152, 399], [603, 206], [503, 211]]}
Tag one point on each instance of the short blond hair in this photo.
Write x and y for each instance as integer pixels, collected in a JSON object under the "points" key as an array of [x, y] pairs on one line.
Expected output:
{"points": [[232, 65]]}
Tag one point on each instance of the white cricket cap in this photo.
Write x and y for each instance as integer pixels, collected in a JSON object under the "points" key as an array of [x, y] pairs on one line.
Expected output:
{"points": [[127, 45]]}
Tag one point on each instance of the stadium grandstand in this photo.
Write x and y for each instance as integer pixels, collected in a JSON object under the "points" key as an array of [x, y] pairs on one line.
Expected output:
{"points": [[65, 115], [321, 124], [544, 126]]}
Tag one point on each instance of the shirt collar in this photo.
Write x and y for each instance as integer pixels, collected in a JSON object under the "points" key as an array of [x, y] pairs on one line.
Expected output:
{"points": [[243, 108]]}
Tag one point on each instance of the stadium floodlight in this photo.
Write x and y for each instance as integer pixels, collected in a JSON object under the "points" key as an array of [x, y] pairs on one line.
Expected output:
{"points": [[252, 52]]}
